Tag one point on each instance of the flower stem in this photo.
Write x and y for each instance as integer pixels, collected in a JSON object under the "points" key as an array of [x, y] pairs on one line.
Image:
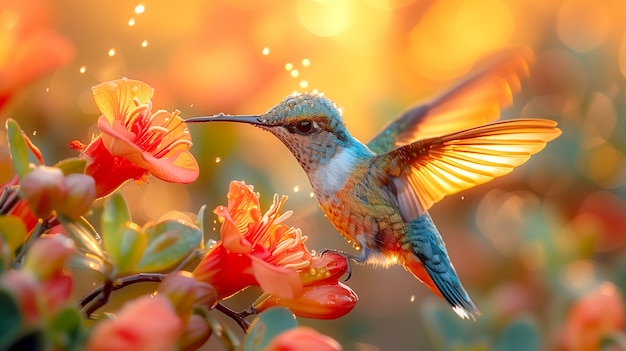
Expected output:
{"points": [[100, 296], [238, 317]]}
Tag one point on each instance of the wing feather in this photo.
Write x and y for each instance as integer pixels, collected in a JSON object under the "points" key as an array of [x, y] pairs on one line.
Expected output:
{"points": [[427, 170], [475, 101]]}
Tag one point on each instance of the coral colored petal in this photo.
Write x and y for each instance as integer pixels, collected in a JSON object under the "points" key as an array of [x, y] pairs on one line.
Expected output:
{"points": [[232, 239], [115, 98], [146, 323], [303, 338], [275, 280]]}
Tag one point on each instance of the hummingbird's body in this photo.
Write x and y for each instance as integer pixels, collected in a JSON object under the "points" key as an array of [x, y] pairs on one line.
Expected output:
{"points": [[377, 194]]}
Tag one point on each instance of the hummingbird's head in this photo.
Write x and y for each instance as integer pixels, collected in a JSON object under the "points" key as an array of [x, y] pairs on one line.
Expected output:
{"points": [[309, 124]]}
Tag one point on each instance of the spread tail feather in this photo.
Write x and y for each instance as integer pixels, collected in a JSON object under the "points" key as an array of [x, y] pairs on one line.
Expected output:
{"points": [[429, 262]]}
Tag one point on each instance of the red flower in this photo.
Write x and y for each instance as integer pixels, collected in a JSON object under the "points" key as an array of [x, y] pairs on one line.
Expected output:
{"points": [[593, 317], [259, 250], [136, 142], [255, 249], [323, 296]]}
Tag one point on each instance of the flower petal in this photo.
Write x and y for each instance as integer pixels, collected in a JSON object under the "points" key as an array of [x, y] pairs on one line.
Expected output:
{"points": [[179, 167], [115, 98], [279, 281], [232, 238]]}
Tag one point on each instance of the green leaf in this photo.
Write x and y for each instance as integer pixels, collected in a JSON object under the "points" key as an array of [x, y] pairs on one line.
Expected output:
{"points": [[115, 215], [13, 231], [519, 335], [84, 235], [267, 326], [200, 224], [66, 329], [126, 254], [169, 242], [11, 320], [71, 165], [18, 147]]}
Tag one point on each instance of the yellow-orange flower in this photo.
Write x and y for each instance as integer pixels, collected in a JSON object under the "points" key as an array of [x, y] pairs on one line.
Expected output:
{"points": [[136, 142]]}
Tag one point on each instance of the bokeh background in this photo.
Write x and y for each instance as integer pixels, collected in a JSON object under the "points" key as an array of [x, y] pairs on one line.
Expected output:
{"points": [[531, 247]]}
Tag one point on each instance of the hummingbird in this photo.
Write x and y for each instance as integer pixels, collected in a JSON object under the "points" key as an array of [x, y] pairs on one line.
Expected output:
{"points": [[377, 194]]}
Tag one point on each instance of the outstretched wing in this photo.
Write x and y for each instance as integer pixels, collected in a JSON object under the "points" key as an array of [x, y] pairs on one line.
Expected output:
{"points": [[425, 171], [475, 101]]}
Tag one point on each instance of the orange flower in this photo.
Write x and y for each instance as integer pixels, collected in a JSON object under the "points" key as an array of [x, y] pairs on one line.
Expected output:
{"points": [[146, 323], [28, 48], [593, 317], [255, 249], [302, 338], [136, 142]]}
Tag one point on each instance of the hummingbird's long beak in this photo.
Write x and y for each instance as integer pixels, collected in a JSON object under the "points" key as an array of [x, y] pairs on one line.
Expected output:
{"points": [[221, 117]]}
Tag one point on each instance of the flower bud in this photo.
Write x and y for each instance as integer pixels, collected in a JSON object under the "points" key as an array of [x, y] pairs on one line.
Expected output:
{"points": [[318, 301], [47, 255], [81, 192], [326, 268], [302, 338], [180, 288], [196, 333], [45, 189], [23, 286], [206, 295]]}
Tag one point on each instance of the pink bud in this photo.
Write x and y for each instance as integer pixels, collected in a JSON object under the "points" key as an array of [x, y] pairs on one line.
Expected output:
{"points": [[196, 333], [326, 268], [302, 338], [81, 192], [48, 254], [44, 188], [180, 289]]}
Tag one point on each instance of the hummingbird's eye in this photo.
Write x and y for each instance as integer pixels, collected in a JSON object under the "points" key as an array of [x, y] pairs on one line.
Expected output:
{"points": [[305, 127]]}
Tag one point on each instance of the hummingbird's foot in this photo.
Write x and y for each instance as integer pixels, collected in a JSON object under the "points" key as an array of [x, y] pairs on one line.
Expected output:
{"points": [[348, 256]]}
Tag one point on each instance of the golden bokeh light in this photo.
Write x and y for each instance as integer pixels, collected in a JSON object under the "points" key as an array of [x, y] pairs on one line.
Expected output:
{"points": [[583, 24], [326, 17], [454, 33]]}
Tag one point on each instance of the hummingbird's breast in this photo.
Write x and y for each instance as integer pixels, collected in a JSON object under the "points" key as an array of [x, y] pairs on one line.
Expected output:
{"points": [[359, 206]]}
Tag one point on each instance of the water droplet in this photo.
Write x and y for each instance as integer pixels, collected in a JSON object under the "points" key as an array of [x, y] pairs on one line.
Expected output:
{"points": [[112, 52], [186, 131], [311, 194], [112, 85], [304, 84], [34, 132], [82, 69], [140, 8], [144, 43], [218, 159], [47, 90], [266, 51], [135, 88], [191, 105], [131, 22], [306, 62], [295, 73], [412, 298], [289, 66], [462, 197], [296, 188]]}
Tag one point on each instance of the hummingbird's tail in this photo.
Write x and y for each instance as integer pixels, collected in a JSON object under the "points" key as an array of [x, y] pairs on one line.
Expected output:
{"points": [[429, 262]]}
